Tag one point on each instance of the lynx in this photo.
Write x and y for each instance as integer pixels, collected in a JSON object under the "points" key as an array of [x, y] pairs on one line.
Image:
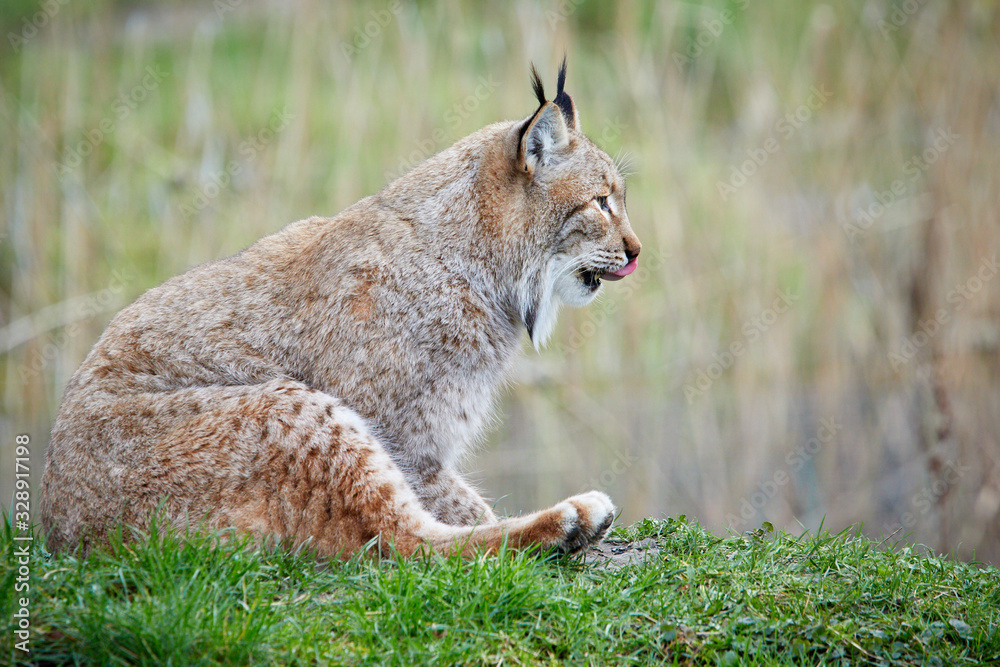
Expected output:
{"points": [[322, 386]]}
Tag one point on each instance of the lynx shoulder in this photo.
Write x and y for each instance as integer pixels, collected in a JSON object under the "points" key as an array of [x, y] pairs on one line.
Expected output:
{"points": [[324, 384]]}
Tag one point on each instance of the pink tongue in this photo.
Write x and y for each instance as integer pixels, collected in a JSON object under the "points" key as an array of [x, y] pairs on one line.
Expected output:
{"points": [[622, 272]]}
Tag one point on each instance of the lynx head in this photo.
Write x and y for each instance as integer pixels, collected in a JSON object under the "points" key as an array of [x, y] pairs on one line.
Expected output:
{"points": [[572, 213]]}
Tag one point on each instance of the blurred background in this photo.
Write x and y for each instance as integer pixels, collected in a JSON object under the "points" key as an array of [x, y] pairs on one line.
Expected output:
{"points": [[813, 333]]}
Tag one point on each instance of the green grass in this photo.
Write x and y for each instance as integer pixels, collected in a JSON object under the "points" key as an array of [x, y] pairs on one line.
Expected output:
{"points": [[758, 599]]}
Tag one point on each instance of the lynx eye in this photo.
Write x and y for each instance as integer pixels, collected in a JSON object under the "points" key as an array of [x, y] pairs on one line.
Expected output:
{"points": [[602, 201]]}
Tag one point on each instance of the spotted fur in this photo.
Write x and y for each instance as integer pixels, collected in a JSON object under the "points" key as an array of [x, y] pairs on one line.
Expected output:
{"points": [[323, 385]]}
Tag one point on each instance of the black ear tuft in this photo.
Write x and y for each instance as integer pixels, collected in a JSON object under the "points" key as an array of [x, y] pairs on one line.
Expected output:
{"points": [[564, 101], [536, 83]]}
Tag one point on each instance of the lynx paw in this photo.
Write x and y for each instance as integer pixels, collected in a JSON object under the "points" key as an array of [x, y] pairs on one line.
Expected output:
{"points": [[585, 519]]}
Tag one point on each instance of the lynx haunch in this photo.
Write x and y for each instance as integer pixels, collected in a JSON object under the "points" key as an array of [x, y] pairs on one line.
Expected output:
{"points": [[322, 385]]}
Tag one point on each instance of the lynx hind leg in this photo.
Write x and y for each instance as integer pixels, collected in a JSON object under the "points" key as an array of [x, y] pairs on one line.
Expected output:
{"points": [[334, 486], [595, 513], [568, 527], [585, 520], [329, 483], [285, 462]]}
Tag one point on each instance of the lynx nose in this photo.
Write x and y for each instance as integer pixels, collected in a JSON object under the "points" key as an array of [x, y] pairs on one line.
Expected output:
{"points": [[632, 246]]}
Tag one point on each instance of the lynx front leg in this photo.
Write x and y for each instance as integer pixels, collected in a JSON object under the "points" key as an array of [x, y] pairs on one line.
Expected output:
{"points": [[448, 497]]}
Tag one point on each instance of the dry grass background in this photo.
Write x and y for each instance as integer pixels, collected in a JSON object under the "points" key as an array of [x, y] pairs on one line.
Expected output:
{"points": [[848, 404]]}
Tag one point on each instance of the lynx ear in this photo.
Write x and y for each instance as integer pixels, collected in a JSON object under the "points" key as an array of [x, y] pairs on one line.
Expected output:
{"points": [[565, 102], [544, 135]]}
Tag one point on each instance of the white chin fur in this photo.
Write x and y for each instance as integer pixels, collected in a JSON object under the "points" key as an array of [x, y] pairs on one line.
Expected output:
{"points": [[571, 290], [566, 288]]}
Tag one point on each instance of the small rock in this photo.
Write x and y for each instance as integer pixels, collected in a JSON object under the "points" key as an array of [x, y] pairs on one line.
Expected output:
{"points": [[617, 555]]}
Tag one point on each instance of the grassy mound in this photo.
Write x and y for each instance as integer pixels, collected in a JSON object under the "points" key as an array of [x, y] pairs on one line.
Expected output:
{"points": [[763, 598]]}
